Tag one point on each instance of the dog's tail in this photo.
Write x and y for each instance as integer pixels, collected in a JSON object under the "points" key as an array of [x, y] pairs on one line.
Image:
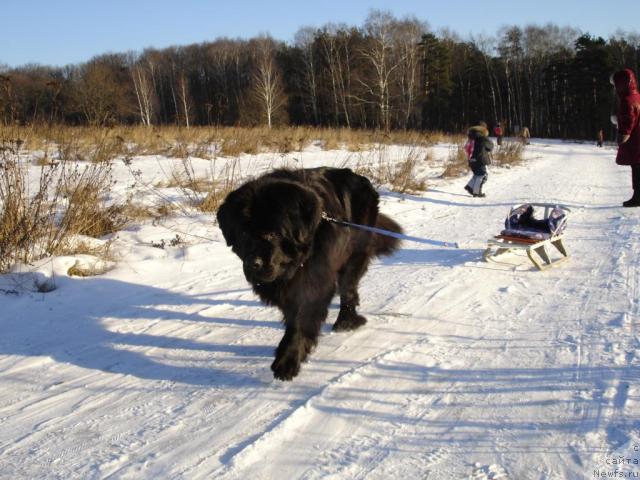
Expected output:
{"points": [[382, 244]]}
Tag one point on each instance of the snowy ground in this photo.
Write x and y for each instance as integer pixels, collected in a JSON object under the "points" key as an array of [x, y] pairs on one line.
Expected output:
{"points": [[466, 370]]}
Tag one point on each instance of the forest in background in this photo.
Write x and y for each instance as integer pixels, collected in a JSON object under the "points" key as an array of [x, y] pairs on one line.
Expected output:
{"points": [[388, 74]]}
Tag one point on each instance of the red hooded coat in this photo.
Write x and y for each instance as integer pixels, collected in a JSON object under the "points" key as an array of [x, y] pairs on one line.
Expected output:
{"points": [[628, 117]]}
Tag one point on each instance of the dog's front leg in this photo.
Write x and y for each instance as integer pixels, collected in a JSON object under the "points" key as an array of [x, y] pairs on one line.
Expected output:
{"points": [[289, 355], [300, 336]]}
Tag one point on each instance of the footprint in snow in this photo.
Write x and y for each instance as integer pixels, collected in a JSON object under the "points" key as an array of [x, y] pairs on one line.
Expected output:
{"points": [[488, 472]]}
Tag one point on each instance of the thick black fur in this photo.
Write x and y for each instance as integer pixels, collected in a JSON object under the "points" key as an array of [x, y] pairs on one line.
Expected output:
{"points": [[295, 260]]}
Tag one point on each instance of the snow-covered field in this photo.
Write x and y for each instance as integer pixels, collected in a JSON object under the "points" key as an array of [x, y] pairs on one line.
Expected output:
{"points": [[466, 370]]}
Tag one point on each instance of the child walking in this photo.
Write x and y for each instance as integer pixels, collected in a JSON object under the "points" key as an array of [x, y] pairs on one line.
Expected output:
{"points": [[478, 148]]}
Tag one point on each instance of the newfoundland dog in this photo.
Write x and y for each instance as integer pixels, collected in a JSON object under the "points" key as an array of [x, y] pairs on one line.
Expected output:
{"points": [[295, 257]]}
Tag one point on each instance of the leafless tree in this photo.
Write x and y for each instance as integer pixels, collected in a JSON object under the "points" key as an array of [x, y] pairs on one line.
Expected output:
{"points": [[304, 40], [406, 37], [142, 72], [184, 98], [486, 45], [267, 87], [7, 102], [379, 27], [334, 41], [100, 93]]}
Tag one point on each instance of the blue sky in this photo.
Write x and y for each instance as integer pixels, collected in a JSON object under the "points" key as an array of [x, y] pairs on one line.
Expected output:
{"points": [[59, 32]]}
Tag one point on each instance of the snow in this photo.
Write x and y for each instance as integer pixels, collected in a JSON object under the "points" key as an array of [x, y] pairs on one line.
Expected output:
{"points": [[159, 368]]}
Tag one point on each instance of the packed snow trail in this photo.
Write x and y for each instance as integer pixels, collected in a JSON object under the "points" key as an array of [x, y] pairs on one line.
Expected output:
{"points": [[160, 368]]}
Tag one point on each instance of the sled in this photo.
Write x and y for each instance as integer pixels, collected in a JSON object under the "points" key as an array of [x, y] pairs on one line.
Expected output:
{"points": [[541, 239]]}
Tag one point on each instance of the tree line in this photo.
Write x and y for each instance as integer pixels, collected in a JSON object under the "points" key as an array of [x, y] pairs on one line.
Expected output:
{"points": [[387, 74]]}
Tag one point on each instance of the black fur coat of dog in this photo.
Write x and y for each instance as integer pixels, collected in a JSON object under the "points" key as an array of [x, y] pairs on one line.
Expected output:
{"points": [[294, 259]]}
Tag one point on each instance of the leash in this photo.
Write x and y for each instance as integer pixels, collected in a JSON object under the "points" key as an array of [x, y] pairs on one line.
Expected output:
{"points": [[389, 233], [326, 217]]}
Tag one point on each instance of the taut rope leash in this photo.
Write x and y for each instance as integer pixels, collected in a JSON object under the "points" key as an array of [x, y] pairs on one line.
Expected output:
{"points": [[389, 233], [326, 217]]}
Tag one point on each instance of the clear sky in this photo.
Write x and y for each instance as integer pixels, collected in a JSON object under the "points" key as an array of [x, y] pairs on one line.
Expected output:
{"points": [[59, 32]]}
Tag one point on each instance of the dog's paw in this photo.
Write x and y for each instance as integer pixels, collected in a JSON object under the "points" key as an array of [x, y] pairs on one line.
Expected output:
{"points": [[285, 367], [349, 321]]}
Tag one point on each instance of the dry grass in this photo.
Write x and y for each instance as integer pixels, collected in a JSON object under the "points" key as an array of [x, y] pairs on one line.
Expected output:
{"points": [[135, 212], [94, 144], [25, 219], [40, 216], [85, 211], [215, 196], [399, 177], [508, 154], [206, 193], [63, 143], [457, 163], [98, 257], [85, 269], [403, 177], [78, 245]]}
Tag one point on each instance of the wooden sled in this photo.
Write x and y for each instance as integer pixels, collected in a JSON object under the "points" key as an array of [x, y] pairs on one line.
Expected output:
{"points": [[538, 250]]}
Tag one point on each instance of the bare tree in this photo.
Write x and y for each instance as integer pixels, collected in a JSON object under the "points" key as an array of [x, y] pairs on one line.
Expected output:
{"points": [[336, 52], [142, 73], [101, 92], [224, 58], [379, 28], [486, 45], [7, 102], [304, 39], [407, 36], [267, 87], [184, 98]]}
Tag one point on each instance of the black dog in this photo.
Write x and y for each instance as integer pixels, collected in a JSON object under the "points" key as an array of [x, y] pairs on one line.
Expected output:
{"points": [[294, 258]]}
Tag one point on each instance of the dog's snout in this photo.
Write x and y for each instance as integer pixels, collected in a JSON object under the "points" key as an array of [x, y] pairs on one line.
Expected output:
{"points": [[258, 268]]}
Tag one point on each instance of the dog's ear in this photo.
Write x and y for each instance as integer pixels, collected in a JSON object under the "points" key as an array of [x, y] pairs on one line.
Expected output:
{"points": [[232, 214]]}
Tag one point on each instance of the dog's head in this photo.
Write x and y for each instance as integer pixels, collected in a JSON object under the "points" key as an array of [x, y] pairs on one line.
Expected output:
{"points": [[270, 225]]}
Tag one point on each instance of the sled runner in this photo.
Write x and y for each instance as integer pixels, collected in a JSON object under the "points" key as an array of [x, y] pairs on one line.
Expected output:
{"points": [[536, 237]]}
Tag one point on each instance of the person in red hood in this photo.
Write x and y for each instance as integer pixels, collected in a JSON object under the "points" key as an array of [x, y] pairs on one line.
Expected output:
{"points": [[497, 131], [628, 121]]}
